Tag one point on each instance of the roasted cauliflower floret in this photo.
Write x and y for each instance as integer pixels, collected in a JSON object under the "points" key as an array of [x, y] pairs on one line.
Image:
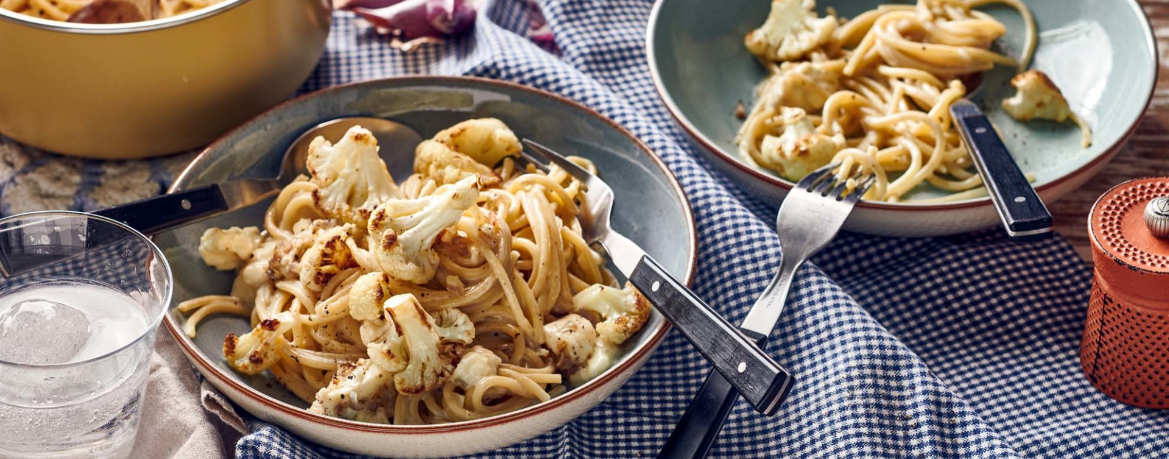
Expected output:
{"points": [[326, 257], [368, 294], [805, 85], [404, 230], [486, 140], [623, 311], [255, 351], [800, 149], [1036, 96], [604, 354], [255, 272], [791, 31], [444, 165], [571, 339], [284, 262], [454, 326], [361, 392], [226, 249], [352, 179], [419, 350], [477, 363]]}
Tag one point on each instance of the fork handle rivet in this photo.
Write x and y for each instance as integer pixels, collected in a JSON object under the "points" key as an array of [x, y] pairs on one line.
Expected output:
{"points": [[655, 286], [742, 367]]}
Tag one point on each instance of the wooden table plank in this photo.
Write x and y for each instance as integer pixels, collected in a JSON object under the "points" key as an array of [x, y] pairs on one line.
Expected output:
{"points": [[1146, 154]]}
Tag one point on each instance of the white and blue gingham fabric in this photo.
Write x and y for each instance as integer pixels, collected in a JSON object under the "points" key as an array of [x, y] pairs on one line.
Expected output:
{"points": [[952, 347], [957, 347]]}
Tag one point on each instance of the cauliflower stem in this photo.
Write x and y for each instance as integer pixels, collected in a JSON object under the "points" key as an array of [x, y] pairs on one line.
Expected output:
{"points": [[420, 351]]}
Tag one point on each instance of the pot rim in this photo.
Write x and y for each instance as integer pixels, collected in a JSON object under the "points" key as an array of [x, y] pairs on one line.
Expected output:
{"points": [[117, 29]]}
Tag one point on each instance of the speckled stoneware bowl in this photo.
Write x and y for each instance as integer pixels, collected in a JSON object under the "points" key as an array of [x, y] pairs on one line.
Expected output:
{"points": [[1101, 53], [650, 208]]}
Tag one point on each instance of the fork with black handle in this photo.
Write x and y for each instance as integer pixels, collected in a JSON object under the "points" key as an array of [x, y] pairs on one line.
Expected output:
{"points": [[743, 364], [810, 216]]}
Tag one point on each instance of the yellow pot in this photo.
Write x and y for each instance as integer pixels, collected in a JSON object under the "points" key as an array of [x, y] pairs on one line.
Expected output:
{"points": [[150, 88]]}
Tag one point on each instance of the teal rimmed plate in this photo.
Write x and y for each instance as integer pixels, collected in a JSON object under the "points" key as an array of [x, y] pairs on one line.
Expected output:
{"points": [[1101, 53]]}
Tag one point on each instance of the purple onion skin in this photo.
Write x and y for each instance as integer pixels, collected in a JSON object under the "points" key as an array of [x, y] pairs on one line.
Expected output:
{"points": [[451, 17], [370, 4], [419, 18], [407, 17]]}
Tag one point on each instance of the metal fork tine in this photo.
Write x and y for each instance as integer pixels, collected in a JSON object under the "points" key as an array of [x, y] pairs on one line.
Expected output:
{"points": [[838, 191], [861, 189], [533, 161], [810, 180], [812, 185], [823, 186], [574, 170]]}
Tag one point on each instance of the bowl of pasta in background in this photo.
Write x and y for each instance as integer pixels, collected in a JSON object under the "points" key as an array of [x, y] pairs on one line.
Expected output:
{"points": [[1101, 54], [141, 89], [650, 208]]}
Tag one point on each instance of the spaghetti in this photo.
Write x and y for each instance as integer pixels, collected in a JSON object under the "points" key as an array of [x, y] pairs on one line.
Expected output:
{"points": [[874, 92], [463, 293]]}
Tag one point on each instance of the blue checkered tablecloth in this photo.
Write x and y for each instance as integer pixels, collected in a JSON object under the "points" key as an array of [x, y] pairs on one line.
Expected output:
{"points": [[962, 346]]}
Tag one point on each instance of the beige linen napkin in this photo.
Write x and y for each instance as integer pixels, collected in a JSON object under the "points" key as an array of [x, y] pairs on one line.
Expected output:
{"points": [[182, 417]]}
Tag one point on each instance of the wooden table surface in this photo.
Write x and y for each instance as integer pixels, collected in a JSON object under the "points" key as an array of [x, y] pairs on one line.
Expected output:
{"points": [[1146, 154]]}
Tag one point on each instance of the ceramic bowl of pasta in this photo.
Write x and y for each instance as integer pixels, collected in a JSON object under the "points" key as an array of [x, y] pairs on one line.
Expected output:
{"points": [[118, 79], [435, 300], [770, 90]]}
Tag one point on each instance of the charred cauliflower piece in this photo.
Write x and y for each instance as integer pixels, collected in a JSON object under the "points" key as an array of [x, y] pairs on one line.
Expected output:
{"points": [[454, 326], [404, 230], [368, 294], [444, 165], [800, 149], [285, 260], [486, 140], [623, 311], [806, 85], [360, 392], [227, 249], [477, 363], [352, 179], [604, 354], [791, 31], [255, 351], [571, 339], [328, 256], [419, 350], [255, 272], [1036, 96]]}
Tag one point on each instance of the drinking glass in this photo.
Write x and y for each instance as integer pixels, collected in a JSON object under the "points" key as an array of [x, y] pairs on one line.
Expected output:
{"points": [[81, 297]]}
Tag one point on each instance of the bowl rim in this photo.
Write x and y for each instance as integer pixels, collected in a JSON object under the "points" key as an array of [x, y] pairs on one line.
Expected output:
{"points": [[637, 357], [117, 29], [785, 186]]}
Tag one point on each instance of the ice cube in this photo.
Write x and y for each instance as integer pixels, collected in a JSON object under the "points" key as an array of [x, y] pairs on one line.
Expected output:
{"points": [[37, 331]]}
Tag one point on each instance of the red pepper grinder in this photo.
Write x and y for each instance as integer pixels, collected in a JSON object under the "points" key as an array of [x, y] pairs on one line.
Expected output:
{"points": [[1125, 348]]}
